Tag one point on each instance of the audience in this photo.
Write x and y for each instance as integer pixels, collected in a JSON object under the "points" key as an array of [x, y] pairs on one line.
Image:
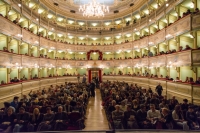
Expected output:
{"points": [[43, 111], [145, 109]]}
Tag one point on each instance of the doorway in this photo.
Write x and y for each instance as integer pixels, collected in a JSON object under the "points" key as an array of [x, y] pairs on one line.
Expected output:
{"points": [[94, 72]]}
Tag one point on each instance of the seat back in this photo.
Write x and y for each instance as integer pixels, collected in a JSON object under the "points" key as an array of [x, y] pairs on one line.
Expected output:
{"points": [[74, 116]]}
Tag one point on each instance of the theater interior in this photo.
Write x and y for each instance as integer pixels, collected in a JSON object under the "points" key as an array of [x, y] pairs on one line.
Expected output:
{"points": [[106, 66]]}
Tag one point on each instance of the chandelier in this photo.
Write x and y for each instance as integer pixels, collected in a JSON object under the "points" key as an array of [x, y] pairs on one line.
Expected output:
{"points": [[94, 9]]}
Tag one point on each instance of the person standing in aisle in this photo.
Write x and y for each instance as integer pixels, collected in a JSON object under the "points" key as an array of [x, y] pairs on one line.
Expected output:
{"points": [[84, 79], [159, 89], [92, 88], [97, 82], [78, 78]]}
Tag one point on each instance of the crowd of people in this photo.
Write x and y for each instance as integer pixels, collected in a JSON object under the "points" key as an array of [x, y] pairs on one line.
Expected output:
{"points": [[133, 107], [54, 109]]}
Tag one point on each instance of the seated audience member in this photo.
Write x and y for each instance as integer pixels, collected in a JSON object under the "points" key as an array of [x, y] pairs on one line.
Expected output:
{"points": [[5, 49], [130, 118], [136, 105], [150, 54], [187, 79], [198, 114], [187, 47], [24, 78], [46, 124], [123, 106], [177, 80], [2, 82], [67, 107], [178, 117], [6, 106], [191, 117], [198, 81], [15, 102], [117, 117], [35, 119], [143, 122], [184, 107], [163, 104], [191, 80], [11, 51], [166, 119], [155, 101], [60, 120], [196, 10], [153, 115], [181, 48], [8, 120], [21, 121], [35, 77], [15, 80]]}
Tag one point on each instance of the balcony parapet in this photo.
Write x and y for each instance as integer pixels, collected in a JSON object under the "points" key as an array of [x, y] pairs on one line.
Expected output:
{"points": [[181, 26], [178, 59]]}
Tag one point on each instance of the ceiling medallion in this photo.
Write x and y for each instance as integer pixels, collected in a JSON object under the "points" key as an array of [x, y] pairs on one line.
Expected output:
{"points": [[94, 9]]}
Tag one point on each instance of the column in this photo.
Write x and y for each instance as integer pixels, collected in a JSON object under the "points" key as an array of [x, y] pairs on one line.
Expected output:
{"points": [[29, 50], [19, 73], [19, 47], [39, 72], [8, 75], [30, 76], [195, 40], [177, 43]]}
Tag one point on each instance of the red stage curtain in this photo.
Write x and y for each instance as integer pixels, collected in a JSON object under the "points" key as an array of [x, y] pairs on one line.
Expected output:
{"points": [[89, 75], [100, 77]]}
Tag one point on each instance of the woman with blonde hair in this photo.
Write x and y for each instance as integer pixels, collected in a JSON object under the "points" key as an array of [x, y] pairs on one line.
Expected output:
{"points": [[35, 119], [136, 105]]}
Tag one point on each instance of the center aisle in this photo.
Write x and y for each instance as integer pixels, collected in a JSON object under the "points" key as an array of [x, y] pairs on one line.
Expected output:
{"points": [[96, 117]]}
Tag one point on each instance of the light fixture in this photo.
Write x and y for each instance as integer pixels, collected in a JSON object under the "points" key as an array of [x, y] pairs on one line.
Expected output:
{"points": [[94, 39], [81, 38], [94, 24], [94, 9], [19, 5], [107, 38], [49, 16], [59, 35], [70, 21], [107, 23], [19, 35], [167, 5], [118, 37], [70, 37], [81, 23], [40, 11], [118, 21], [128, 35], [59, 51], [192, 5]]}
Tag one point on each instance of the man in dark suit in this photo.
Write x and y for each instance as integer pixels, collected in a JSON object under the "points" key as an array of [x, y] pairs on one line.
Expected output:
{"points": [[92, 88], [97, 82], [159, 89], [60, 120], [21, 120]]}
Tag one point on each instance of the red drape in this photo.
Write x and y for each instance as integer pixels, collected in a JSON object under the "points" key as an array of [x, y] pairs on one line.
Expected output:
{"points": [[100, 54], [100, 76], [89, 75]]}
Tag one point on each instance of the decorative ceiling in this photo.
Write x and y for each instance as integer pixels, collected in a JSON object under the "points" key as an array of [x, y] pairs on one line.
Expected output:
{"points": [[105, 2], [64, 7]]}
